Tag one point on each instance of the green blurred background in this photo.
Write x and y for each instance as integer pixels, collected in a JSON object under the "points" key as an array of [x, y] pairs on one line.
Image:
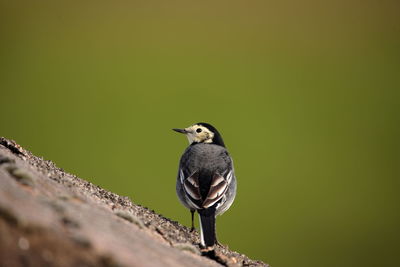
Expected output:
{"points": [[305, 94]]}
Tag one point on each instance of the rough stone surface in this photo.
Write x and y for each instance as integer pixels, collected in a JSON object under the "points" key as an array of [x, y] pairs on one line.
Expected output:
{"points": [[52, 218]]}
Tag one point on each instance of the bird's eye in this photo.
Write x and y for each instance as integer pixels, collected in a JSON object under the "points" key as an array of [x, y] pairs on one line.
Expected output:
{"points": [[198, 130]]}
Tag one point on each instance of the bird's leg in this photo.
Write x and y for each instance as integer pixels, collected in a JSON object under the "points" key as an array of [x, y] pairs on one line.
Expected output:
{"points": [[192, 228]]}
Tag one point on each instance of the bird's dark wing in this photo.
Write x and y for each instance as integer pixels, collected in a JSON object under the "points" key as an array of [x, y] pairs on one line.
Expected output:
{"points": [[191, 188], [219, 185]]}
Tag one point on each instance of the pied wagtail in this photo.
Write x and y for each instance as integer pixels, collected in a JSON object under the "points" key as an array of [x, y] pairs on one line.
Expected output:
{"points": [[206, 181]]}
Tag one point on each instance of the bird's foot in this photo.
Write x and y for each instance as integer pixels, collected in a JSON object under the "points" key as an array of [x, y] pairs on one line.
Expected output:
{"points": [[208, 251]]}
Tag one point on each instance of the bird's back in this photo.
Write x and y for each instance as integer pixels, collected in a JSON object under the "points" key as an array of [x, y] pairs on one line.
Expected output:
{"points": [[206, 159]]}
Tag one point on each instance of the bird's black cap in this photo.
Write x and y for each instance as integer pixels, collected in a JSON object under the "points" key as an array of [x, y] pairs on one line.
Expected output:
{"points": [[217, 139]]}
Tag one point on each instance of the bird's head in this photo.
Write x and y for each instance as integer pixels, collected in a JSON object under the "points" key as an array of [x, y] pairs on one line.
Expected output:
{"points": [[202, 133]]}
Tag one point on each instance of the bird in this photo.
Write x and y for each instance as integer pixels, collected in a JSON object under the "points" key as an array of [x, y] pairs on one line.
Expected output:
{"points": [[206, 181]]}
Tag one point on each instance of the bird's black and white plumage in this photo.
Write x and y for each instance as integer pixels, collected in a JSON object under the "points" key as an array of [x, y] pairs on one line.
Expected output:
{"points": [[206, 181]]}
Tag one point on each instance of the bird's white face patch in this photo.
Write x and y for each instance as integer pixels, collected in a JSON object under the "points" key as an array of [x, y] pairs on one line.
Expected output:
{"points": [[199, 134]]}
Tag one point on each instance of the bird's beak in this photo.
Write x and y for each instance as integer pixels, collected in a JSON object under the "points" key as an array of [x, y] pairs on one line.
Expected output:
{"points": [[180, 130]]}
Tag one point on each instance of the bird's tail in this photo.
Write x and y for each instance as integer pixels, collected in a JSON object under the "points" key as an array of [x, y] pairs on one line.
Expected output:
{"points": [[207, 227]]}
